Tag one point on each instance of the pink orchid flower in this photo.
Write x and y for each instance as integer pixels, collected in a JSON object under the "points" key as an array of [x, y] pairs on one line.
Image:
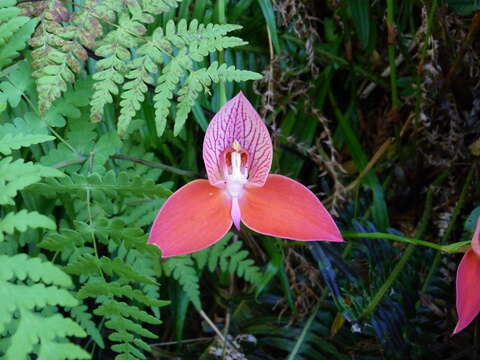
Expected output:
{"points": [[468, 284], [237, 151]]}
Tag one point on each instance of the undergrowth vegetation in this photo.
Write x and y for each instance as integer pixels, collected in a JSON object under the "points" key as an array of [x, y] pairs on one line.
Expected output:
{"points": [[374, 105]]}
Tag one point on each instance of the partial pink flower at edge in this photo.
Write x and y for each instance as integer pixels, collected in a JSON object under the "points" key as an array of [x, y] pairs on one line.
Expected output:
{"points": [[237, 152], [468, 284]]}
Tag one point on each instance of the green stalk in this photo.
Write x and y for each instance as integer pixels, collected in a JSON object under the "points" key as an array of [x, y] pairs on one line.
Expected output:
{"points": [[448, 232], [305, 330], [370, 308], [391, 52], [387, 236]]}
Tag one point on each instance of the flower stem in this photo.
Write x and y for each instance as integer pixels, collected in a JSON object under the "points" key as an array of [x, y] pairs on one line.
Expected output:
{"points": [[377, 298], [387, 236], [451, 224]]}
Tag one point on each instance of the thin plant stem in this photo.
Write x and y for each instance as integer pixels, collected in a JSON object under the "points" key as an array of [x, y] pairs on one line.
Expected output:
{"points": [[377, 298], [157, 165], [212, 325], [448, 231], [391, 52], [186, 341], [52, 130], [65, 163], [393, 237], [474, 27], [370, 308], [303, 334]]}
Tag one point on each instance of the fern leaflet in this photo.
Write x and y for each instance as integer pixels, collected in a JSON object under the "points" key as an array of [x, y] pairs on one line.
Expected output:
{"points": [[20, 320]]}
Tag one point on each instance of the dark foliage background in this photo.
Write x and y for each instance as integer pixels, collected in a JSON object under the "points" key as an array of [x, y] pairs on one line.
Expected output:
{"points": [[372, 104]]}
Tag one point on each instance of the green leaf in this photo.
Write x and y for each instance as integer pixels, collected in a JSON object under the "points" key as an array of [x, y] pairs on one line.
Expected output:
{"points": [[14, 32], [9, 141], [269, 15], [464, 7], [16, 175], [23, 220], [359, 10], [182, 269], [26, 286], [109, 184]]}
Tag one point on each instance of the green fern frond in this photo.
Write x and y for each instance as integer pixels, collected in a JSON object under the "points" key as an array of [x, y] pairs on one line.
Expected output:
{"points": [[110, 184], [159, 6], [194, 42], [87, 265], [17, 134], [84, 318], [98, 287], [143, 213], [123, 325], [23, 220], [70, 105], [121, 233], [183, 270], [10, 141], [136, 169], [65, 242], [15, 31], [229, 259], [57, 56], [88, 24], [182, 46], [16, 175], [27, 329], [124, 319], [199, 81], [114, 49], [146, 265], [126, 310]]}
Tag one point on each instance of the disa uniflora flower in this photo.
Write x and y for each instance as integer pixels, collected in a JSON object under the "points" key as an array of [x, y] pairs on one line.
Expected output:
{"points": [[237, 151]]}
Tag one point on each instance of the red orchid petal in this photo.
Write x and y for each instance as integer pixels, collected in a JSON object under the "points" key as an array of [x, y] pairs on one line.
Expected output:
{"points": [[476, 238], [468, 290], [196, 216], [287, 209], [238, 120]]}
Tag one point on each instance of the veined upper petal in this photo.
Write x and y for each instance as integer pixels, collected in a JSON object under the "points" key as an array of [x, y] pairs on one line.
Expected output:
{"points": [[238, 121], [285, 208], [196, 216], [468, 290]]}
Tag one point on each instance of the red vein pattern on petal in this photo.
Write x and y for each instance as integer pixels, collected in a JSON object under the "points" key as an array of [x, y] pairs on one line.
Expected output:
{"points": [[238, 120]]}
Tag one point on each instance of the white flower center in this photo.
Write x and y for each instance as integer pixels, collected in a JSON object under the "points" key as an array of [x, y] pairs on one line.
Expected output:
{"points": [[237, 173]]}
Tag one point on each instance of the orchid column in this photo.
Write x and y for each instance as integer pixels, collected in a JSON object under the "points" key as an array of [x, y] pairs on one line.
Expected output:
{"points": [[237, 151]]}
